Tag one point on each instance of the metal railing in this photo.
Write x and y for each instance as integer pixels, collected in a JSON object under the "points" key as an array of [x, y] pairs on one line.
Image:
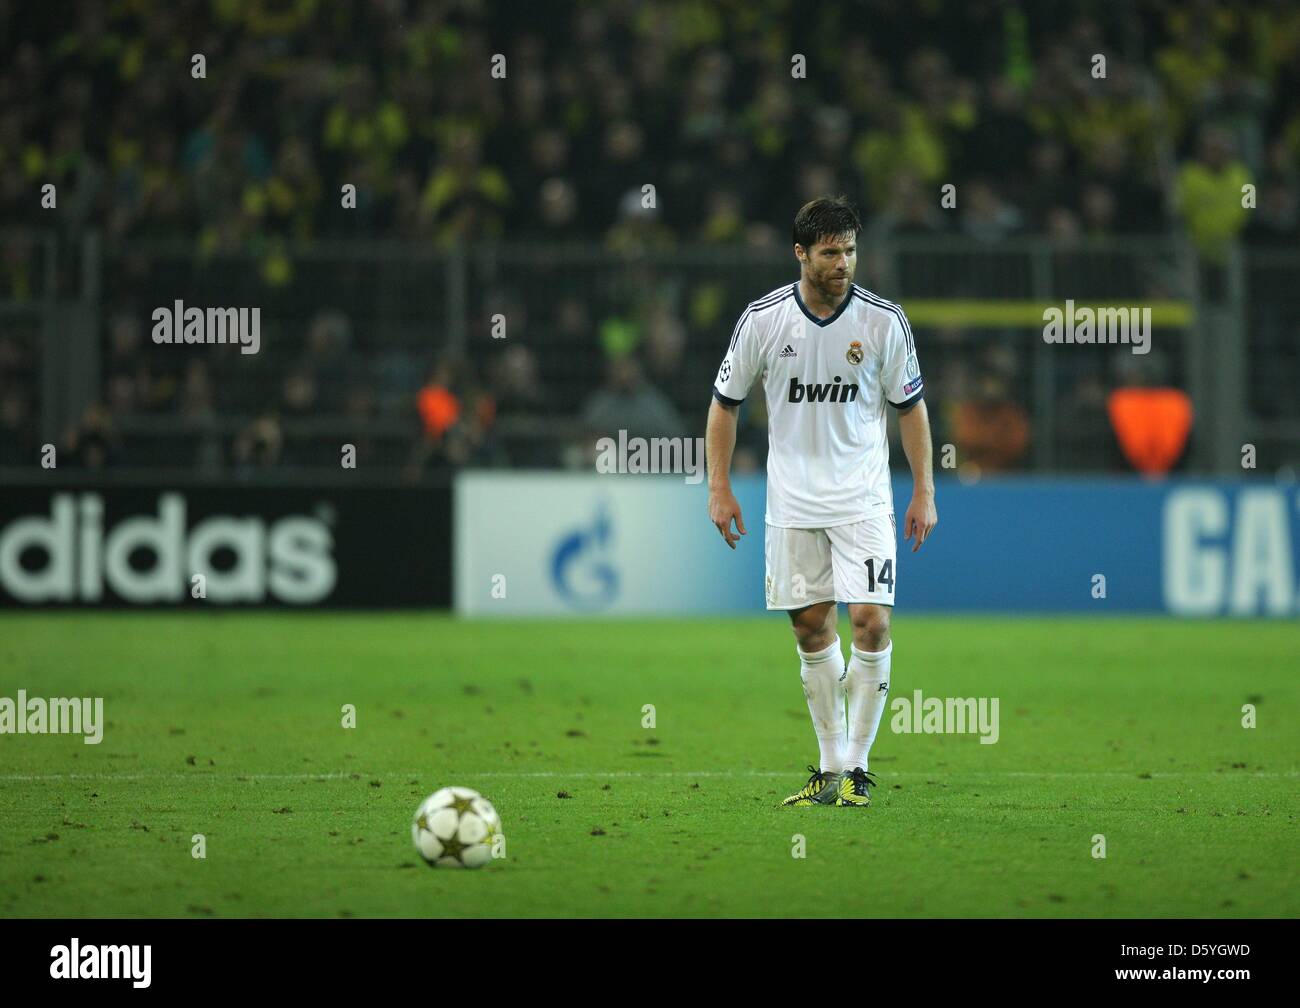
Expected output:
{"points": [[394, 310]]}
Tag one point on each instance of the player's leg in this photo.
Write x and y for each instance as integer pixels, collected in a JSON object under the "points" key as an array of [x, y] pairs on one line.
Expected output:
{"points": [[864, 556], [821, 670], [800, 581], [867, 685]]}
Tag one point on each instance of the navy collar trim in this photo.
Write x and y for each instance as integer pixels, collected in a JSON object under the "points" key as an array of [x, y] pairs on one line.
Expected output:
{"points": [[823, 322]]}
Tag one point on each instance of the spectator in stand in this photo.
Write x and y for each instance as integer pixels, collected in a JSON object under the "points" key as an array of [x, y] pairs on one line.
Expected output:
{"points": [[458, 419], [197, 392], [1152, 421], [438, 402], [1098, 208], [1083, 430], [1109, 166], [1209, 195], [1276, 221], [985, 215], [1050, 186], [992, 428], [94, 442], [17, 428], [628, 402], [517, 387], [912, 210], [258, 445]]}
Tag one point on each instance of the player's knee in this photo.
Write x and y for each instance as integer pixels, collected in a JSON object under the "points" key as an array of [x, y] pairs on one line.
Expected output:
{"points": [[814, 628], [810, 643], [812, 638], [870, 627]]}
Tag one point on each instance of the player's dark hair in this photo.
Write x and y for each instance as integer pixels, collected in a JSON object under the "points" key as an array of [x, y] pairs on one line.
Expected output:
{"points": [[825, 217]]}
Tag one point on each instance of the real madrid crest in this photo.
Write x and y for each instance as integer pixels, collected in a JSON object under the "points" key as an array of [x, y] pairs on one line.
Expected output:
{"points": [[855, 353]]}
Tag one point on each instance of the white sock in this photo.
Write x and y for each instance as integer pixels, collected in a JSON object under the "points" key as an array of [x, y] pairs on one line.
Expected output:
{"points": [[867, 688], [821, 672]]}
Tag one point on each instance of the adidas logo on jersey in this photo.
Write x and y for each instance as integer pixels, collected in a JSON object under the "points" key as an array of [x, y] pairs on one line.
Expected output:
{"points": [[835, 391], [789, 351]]}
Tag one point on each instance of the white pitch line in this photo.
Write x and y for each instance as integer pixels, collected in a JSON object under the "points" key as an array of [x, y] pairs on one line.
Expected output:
{"points": [[561, 775]]}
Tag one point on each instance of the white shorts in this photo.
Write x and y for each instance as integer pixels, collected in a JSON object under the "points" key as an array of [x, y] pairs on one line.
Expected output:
{"points": [[844, 563]]}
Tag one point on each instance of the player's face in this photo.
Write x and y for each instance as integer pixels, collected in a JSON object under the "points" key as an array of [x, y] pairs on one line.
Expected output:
{"points": [[829, 265]]}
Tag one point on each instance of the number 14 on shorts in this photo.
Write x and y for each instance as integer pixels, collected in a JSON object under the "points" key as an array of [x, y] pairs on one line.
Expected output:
{"points": [[886, 575]]}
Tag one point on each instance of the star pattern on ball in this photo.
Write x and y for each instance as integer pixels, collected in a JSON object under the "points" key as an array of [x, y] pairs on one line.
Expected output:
{"points": [[422, 821], [452, 847], [462, 805]]}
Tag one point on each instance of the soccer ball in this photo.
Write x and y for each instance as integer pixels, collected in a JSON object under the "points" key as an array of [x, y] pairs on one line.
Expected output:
{"points": [[455, 828]]}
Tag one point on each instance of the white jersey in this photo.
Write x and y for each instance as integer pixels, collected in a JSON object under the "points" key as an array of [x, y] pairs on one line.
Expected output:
{"points": [[827, 382]]}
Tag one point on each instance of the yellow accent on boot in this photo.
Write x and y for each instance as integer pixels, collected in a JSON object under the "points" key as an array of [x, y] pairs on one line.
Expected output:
{"points": [[820, 790], [853, 787]]}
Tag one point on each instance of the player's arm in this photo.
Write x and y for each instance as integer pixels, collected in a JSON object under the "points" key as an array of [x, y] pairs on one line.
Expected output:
{"points": [[904, 389], [739, 368], [719, 445], [914, 429]]}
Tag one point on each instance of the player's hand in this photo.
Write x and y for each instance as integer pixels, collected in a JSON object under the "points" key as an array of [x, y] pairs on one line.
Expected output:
{"points": [[723, 507], [921, 518]]}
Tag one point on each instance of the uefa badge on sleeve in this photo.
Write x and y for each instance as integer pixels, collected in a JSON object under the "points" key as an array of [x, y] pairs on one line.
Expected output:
{"points": [[855, 353]]}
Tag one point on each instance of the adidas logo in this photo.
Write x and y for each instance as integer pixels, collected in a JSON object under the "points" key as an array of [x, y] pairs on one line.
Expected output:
{"points": [[789, 351]]}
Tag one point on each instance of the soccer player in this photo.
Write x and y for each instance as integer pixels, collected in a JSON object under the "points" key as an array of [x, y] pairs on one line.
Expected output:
{"points": [[831, 355]]}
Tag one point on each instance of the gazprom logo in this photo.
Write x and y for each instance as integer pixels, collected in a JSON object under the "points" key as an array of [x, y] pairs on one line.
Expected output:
{"points": [[581, 567], [835, 391]]}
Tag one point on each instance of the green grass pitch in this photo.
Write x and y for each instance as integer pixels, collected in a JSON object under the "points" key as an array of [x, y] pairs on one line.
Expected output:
{"points": [[229, 725]]}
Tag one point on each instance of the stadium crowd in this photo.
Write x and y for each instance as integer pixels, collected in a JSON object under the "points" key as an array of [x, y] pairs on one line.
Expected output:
{"points": [[699, 99]]}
